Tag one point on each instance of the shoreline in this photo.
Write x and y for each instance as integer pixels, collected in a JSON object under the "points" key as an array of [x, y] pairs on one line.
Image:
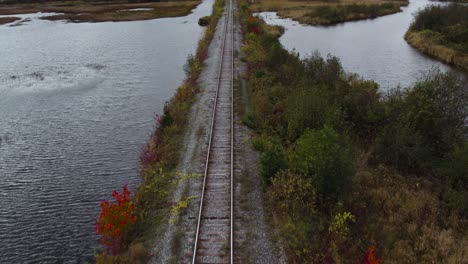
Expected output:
{"points": [[327, 14], [78, 12], [7, 20], [160, 197], [437, 51]]}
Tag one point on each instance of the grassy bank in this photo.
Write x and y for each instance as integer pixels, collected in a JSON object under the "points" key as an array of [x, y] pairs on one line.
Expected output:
{"points": [[328, 12], [6, 20], [100, 11], [441, 32], [159, 159], [352, 175]]}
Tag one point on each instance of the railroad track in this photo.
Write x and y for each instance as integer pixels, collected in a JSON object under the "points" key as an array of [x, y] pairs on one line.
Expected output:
{"points": [[214, 241]]}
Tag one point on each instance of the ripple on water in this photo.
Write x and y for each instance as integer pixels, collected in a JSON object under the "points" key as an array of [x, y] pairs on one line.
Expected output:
{"points": [[76, 106]]}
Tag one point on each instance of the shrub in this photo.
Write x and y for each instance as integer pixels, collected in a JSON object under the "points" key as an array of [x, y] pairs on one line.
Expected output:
{"points": [[450, 22], [204, 21], [454, 169], [310, 109], [454, 172], [319, 70], [339, 226], [371, 258], [363, 111], [115, 220], [271, 161], [426, 123], [292, 194], [326, 158], [293, 197]]}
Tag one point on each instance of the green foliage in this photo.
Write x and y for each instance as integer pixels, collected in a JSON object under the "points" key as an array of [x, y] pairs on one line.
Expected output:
{"points": [[450, 23], [325, 71], [309, 117], [155, 190], [292, 194], [204, 21], [454, 172], [262, 143], [192, 65], [326, 158], [248, 119], [166, 119], [363, 111], [454, 168], [271, 161], [425, 124], [339, 231], [339, 225], [310, 109], [293, 198], [180, 206]]}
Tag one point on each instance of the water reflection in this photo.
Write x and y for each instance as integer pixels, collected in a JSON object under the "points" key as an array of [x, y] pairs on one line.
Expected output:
{"points": [[374, 48]]}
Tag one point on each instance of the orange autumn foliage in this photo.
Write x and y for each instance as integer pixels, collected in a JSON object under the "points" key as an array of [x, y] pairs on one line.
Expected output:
{"points": [[115, 219]]}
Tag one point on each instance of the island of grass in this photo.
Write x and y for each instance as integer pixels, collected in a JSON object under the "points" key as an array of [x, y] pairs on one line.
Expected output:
{"points": [[324, 12], [6, 20], [101, 11], [442, 32]]}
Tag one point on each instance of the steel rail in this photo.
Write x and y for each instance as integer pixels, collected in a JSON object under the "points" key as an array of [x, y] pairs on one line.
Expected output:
{"points": [[232, 132], [210, 139]]}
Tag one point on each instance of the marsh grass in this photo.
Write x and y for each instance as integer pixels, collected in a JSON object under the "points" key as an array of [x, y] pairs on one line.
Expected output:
{"points": [[77, 11], [6, 20], [430, 45], [328, 12]]}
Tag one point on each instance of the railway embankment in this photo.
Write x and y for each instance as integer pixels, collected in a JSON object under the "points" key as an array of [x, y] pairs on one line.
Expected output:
{"points": [[167, 202]]}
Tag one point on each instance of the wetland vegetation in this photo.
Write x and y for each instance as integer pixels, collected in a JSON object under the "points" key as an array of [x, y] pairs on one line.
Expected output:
{"points": [[6, 20], [101, 11], [351, 173], [328, 12], [442, 32]]}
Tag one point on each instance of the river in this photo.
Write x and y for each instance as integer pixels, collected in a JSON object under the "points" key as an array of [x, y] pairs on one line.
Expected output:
{"points": [[76, 107], [373, 48]]}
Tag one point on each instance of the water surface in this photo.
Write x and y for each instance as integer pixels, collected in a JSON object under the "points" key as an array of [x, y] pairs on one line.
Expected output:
{"points": [[373, 48], [76, 106]]}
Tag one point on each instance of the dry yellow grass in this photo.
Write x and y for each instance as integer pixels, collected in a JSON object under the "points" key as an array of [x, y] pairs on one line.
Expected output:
{"points": [[102, 11], [443, 53], [5, 20], [302, 11]]}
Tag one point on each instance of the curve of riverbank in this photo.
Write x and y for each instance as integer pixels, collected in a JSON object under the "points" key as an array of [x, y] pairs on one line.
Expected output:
{"points": [[428, 46], [362, 47], [329, 13], [6, 20]]}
